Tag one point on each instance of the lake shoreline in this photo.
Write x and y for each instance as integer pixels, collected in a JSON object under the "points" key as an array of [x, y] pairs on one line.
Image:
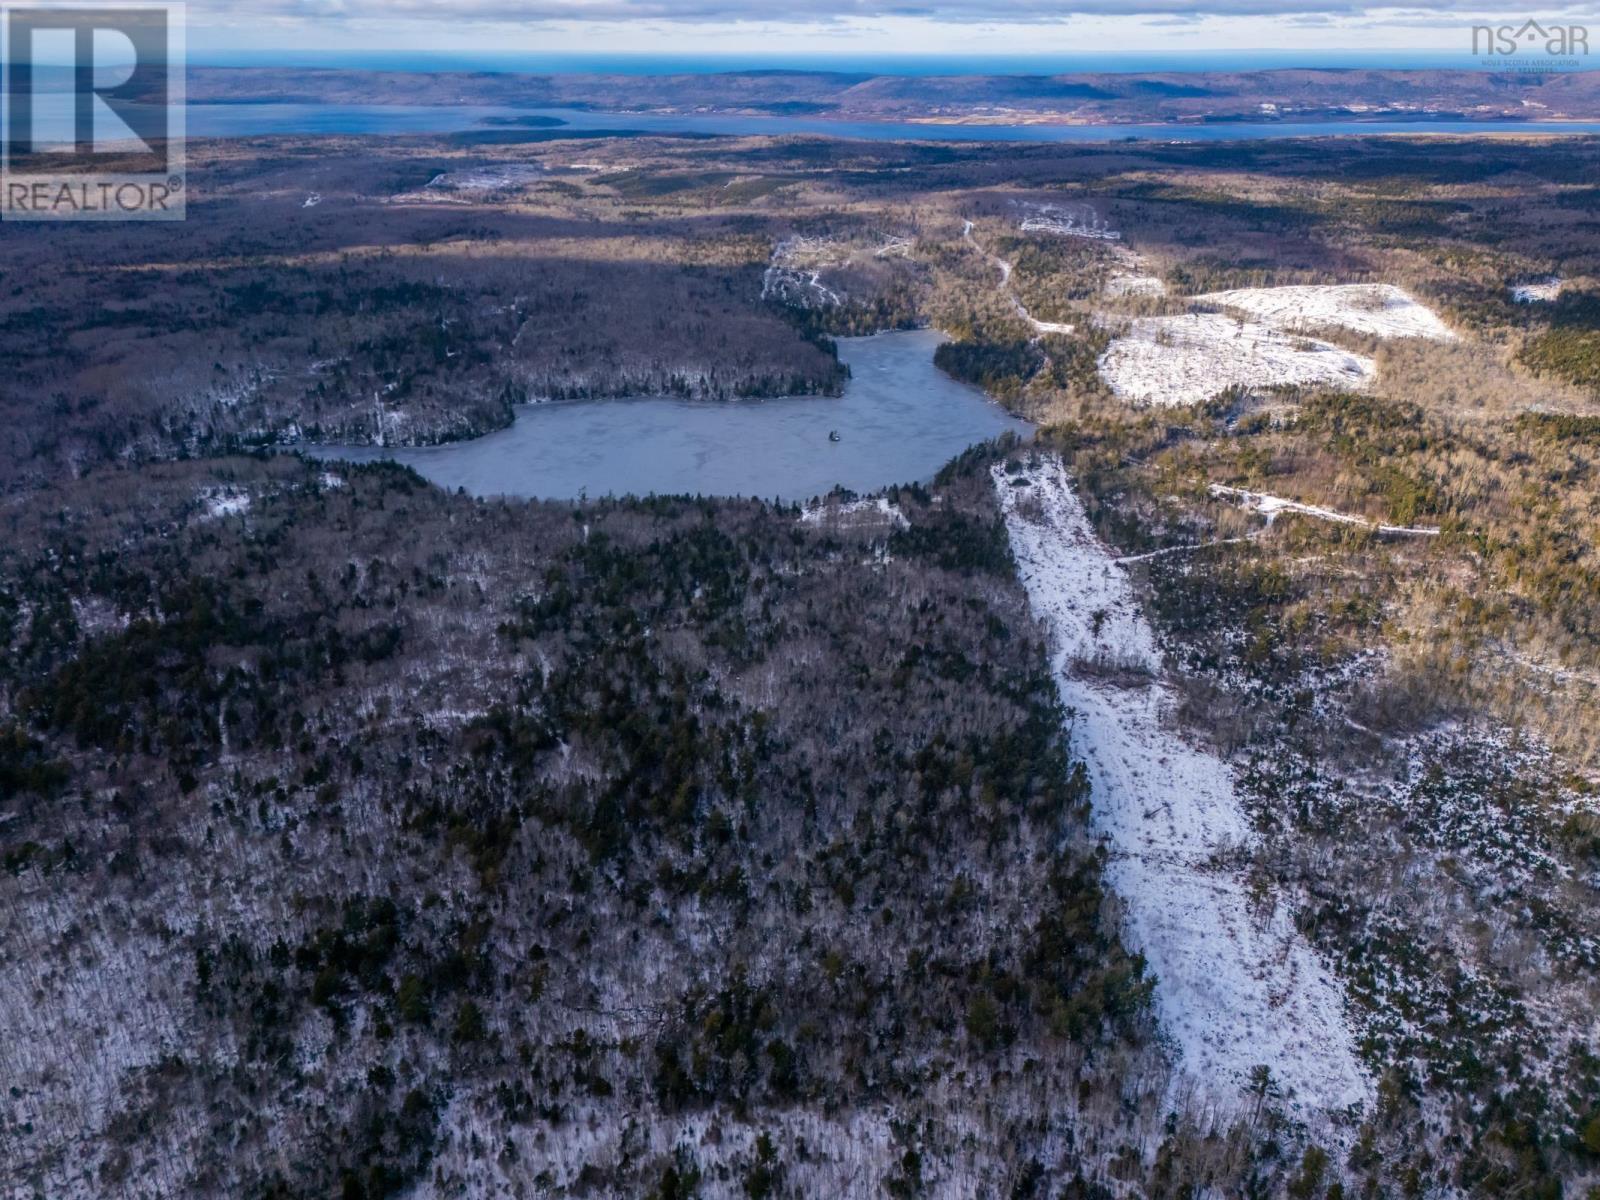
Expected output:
{"points": [[899, 420]]}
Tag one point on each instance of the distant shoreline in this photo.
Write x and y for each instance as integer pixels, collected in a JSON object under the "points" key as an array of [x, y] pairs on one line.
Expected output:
{"points": [[830, 99], [491, 125]]}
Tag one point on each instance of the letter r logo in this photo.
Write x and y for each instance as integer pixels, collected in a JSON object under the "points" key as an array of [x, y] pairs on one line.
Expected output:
{"points": [[86, 82]]}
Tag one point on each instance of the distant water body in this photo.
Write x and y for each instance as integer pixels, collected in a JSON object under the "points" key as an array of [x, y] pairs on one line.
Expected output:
{"points": [[875, 64], [900, 419], [260, 120]]}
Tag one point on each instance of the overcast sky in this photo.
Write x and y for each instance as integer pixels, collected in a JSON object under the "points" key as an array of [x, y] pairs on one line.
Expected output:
{"points": [[757, 28]]}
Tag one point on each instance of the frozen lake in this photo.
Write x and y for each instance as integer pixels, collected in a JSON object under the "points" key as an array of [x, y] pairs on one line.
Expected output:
{"points": [[900, 419]]}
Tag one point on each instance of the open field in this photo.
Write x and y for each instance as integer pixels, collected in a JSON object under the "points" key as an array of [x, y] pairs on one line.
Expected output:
{"points": [[1381, 310], [1186, 360]]}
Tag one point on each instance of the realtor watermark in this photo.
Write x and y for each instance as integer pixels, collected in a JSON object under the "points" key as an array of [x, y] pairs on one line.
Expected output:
{"points": [[1530, 46], [93, 120]]}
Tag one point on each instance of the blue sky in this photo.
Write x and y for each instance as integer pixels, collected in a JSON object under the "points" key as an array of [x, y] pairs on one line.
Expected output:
{"points": [[844, 28]]}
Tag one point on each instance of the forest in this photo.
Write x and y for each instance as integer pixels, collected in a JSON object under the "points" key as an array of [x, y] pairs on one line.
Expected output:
{"points": [[365, 840]]}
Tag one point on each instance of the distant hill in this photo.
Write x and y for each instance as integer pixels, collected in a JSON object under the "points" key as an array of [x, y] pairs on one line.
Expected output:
{"points": [[1293, 94]]}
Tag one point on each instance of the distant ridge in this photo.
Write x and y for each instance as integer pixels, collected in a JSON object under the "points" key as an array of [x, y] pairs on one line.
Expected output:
{"points": [[1288, 94]]}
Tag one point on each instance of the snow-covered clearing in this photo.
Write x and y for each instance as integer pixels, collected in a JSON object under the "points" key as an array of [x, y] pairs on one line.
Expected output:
{"points": [[1537, 291], [1046, 326], [1133, 283], [1272, 506], [1380, 309], [488, 178], [224, 502], [1237, 986], [1069, 220], [874, 513], [1184, 360], [794, 272], [1131, 277]]}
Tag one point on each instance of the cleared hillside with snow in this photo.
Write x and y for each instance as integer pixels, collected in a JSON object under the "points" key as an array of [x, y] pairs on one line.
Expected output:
{"points": [[1237, 988], [1188, 359], [1538, 291], [1379, 309]]}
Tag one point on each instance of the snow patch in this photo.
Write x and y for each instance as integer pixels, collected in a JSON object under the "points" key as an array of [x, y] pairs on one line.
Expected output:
{"points": [[1237, 986], [1127, 283], [1379, 309], [1537, 291], [1131, 277], [489, 178], [223, 502], [1067, 220], [794, 272], [1272, 506], [854, 514], [95, 616], [1187, 359], [795, 269]]}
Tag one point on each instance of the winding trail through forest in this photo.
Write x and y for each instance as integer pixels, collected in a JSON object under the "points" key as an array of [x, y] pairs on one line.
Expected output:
{"points": [[1237, 987], [1005, 287]]}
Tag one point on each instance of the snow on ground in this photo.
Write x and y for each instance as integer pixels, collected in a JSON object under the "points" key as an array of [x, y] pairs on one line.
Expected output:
{"points": [[854, 514], [1132, 283], [1046, 326], [1237, 987], [794, 273], [96, 616], [1005, 286], [1070, 220], [489, 178], [1187, 359], [1537, 291], [1132, 276], [1380, 309], [1271, 506], [224, 502]]}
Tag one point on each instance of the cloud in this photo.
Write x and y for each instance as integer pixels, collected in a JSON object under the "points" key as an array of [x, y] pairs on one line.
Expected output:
{"points": [[518, 12]]}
